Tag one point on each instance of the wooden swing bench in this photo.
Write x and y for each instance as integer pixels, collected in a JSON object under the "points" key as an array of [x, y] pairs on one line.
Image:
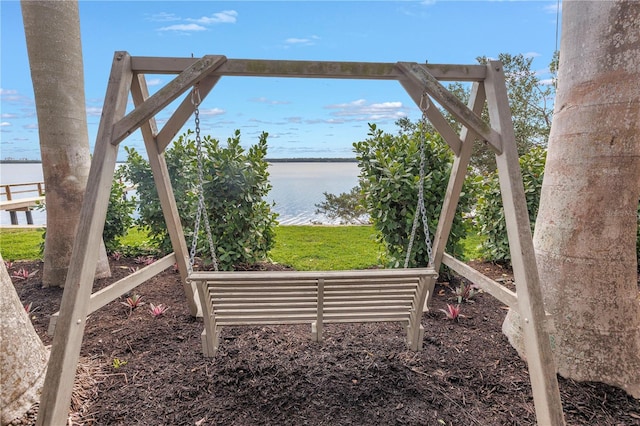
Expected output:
{"points": [[314, 297]]}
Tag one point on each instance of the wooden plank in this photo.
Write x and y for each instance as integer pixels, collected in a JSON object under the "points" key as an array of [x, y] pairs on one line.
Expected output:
{"points": [[184, 111], [120, 287], [9, 190], [355, 317], [21, 203], [163, 97], [65, 350], [140, 95], [308, 69], [209, 334], [456, 179], [274, 312], [257, 276], [542, 372], [421, 77], [492, 287], [294, 318]]}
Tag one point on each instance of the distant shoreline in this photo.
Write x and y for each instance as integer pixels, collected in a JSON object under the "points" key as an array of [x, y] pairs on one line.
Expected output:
{"points": [[268, 160]]}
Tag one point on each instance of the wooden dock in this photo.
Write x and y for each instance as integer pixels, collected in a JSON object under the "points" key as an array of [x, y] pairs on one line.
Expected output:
{"points": [[21, 197]]}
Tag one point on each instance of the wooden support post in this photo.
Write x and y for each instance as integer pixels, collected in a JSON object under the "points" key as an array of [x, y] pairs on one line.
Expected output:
{"points": [[65, 351], [456, 179], [542, 372], [140, 94], [209, 334]]}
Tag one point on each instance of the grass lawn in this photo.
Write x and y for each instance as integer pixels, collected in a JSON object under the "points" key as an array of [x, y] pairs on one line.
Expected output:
{"points": [[307, 248], [301, 247], [21, 244]]}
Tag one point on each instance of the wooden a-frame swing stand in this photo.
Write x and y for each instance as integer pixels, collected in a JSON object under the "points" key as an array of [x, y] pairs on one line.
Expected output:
{"points": [[128, 77]]}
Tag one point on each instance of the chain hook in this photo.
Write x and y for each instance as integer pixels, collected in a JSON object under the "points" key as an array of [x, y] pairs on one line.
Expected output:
{"points": [[195, 96], [424, 102]]}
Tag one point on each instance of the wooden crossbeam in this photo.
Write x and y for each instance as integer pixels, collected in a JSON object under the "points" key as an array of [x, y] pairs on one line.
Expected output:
{"points": [[307, 69]]}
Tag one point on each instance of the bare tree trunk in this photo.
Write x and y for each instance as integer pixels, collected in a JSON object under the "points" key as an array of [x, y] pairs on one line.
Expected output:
{"points": [[52, 31], [23, 357], [585, 236]]}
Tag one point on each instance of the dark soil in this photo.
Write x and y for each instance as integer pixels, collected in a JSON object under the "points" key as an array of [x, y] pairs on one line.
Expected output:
{"points": [[362, 374]]}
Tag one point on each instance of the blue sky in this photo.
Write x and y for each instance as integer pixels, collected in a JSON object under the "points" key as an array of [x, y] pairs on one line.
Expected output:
{"points": [[304, 117]]}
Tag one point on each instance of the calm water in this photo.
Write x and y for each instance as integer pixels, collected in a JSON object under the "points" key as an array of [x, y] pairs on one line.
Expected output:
{"points": [[297, 188]]}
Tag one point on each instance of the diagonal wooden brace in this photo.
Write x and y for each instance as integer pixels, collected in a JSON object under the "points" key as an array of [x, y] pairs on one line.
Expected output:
{"points": [[419, 75], [163, 97]]}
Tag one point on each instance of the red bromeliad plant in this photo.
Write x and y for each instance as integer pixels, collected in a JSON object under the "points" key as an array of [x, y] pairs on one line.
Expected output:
{"points": [[133, 301], [465, 292], [23, 274], [452, 312], [157, 310]]}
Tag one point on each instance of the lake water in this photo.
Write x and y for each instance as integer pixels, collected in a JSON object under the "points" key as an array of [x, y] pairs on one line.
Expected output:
{"points": [[297, 188]]}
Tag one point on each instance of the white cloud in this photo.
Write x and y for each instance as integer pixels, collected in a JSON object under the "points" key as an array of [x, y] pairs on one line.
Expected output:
{"points": [[306, 41], [264, 100], [553, 8], [361, 110], [183, 28], [224, 17], [531, 55], [94, 111], [8, 115], [163, 17], [11, 95], [297, 40], [212, 111], [154, 82], [197, 24], [5, 124]]}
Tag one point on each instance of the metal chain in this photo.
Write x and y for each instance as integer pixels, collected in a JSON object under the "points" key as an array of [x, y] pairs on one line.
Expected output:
{"points": [[421, 210], [201, 214]]}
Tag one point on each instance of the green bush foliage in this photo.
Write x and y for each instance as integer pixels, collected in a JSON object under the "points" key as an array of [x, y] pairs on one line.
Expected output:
{"points": [[119, 214], [390, 167], [235, 182], [347, 206], [489, 212]]}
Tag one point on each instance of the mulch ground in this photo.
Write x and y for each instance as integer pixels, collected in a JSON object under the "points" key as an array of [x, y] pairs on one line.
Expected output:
{"points": [[362, 374]]}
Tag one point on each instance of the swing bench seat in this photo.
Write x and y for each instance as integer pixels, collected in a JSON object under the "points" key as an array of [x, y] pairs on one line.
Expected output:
{"points": [[314, 297]]}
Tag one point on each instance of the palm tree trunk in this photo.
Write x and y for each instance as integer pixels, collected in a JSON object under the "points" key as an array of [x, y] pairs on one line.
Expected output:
{"points": [[52, 31], [23, 357], [585, 236]]}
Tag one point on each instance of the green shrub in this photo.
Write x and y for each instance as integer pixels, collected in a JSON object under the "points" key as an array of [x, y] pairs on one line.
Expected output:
{"points": [[346, 206], [119, 214], [489, 212], [235, 182], [390, 167]]}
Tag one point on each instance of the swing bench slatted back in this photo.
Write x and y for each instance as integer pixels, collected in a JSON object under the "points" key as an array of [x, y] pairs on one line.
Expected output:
{"points": [[314, 297]]}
